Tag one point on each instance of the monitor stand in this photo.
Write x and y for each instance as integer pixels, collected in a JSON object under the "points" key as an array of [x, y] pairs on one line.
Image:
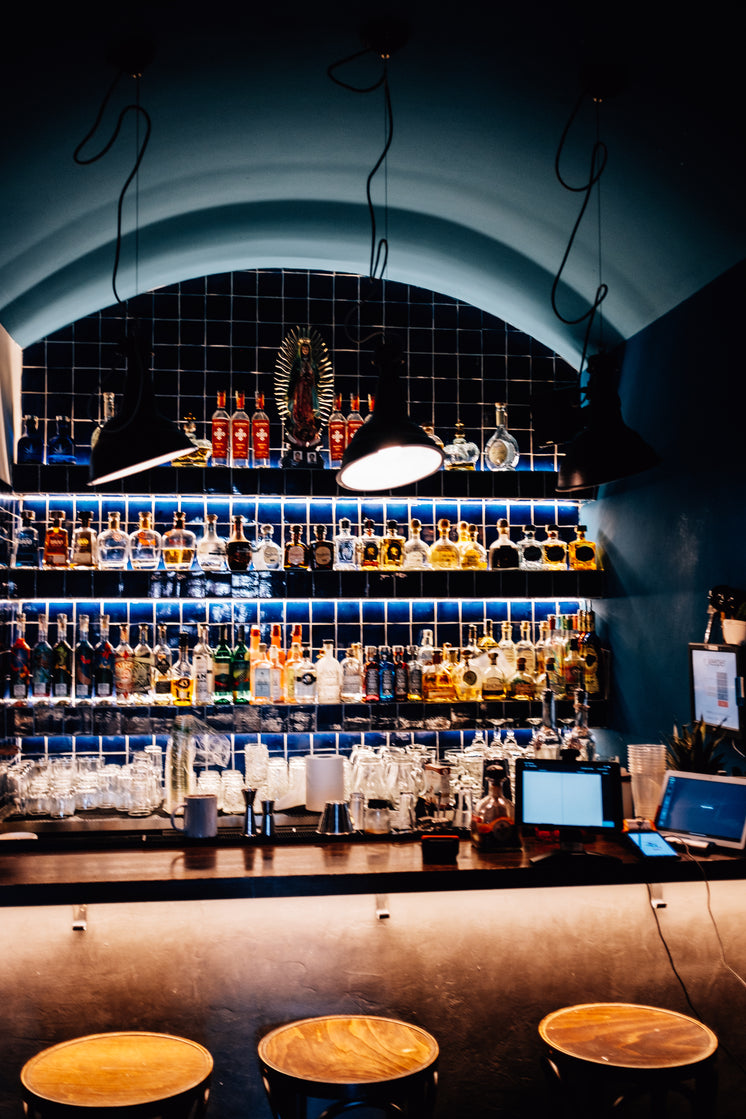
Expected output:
{"points": [[571, 851]]}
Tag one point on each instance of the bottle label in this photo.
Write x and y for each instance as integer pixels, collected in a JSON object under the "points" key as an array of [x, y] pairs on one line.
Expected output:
{"points": [[532, 553], [394, 552], [220, 439], [140, 674], [346, 551], [272, 555], [584, 553], [260, 438], [554, 553], [492, 687], [240, 441], [507, 556], [296, 555], [239, 555], [351, 427], [470, 677], [322, 555], [123, 675], [337, 436], [497, 452], [370, 553], [182, 689], [261, 683]]}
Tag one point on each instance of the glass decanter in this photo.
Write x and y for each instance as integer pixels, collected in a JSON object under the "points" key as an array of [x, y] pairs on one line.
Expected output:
{"points": [[211, 550], [179, 545], [503, 552], [529, 550], [113, 545], [415, 549], [501, 451], [460, 453], [267, 553], [61, 448], [443, 554], [145, 544], [344, 547], [84, 548]]}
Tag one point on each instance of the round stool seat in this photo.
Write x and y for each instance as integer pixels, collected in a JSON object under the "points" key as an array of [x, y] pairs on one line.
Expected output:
{"points": [[123, 1073]]}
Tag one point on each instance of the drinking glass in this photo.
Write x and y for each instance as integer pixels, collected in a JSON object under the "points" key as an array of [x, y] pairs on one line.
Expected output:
{"points": [[647, 765]]}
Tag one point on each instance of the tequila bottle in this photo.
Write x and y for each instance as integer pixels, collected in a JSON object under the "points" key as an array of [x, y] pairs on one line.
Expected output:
{"points": [[328, 675], [31, 445], [369, 547], [238, 550], [554, 550], [501, 452], [529, 550], [582, 554], [473, 554], [26, 551], [305, 679], [572, 666], [487, 640], [182, 685], [525, 648], [493, 680], [103, 662], [20, 662], [351, 689], [143, 661], [542, 649], [240, 431], [467, 679], [41, 662], [145, 544], [161, 680], [386, 674], [337, 433], [591, 654], [266, 684], [401, 674], [240, 669], [321, 551], [426, 652], [371, 676], [61, 448], [503, 553], [113, 545], [460, 453], [354, 420], [123, 667], [296, 550], [56, 542], [414, 674], [83, 661], [294, 657], [415, 549], [202, 668], [521, 685], [202, 447], [260, 433], [392, 547], [211, 550], [462, 535], [222, 670], [437, 679], [84, 547], [220, 431], [507, 649], [62, 663], [267, 555], [179, 545], [344, 547], [443, 554]]}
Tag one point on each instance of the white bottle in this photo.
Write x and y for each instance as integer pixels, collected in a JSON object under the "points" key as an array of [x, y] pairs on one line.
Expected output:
{"points": [[202, 668], [328, 676], [267, 555]]}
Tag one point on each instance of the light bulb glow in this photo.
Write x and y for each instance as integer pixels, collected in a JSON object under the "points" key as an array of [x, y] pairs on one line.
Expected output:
{"points": [[391, 467]]}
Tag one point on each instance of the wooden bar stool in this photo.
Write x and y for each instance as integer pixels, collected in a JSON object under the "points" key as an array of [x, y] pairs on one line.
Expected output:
{"points": [[352, 1060], [127, 1075], [603, 1053]]}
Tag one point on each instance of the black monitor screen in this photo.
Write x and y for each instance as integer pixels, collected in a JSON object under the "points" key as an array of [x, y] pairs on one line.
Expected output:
{"points": [[558, 794]]}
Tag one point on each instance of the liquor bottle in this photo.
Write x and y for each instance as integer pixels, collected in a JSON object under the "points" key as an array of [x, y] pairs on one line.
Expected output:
{"points": [[266, 677], [344, 547], [460, 453], [328, 675], [240, 669], [392, 547], [26, 551], [20, 662], [529, 550], [415, 549], [546, 741], [55, 542], [462, 536], [31, 445], [267, 554], [62, 664], [501, 451], [473, 554], [467, 679], [143, 661], [41, 662], [83, 661], [371, 406], [493, 680], [161, 679], [493, 817], [260, 433], [182, 685], [103, 662], [541, 649], [113, 545], [240, 433], [275, 642], [503, 553], [238, 550], [179, 545], [145, 544], [580, 737], [276, 676], [294, 657], [387, 675], [487, 641], [369, 547], [525, 648], [553, 676], [371, 676], [84, 547], [437, 679], [220, 431], [553, 550], [296, 550], [414, 674], [572, 666], [354, 420], [255, 639], [222, 671], [351, 690], [426, 653], [211, 549], [443, 554], [305, 679], [507, 648], [401, 675], [435, 438], [202, 447], [582, 554], [109, 411], [591, 654], [123, 666], [202, 668], [521, 684], [60, 448], [470, 645], [321, 551], [337, 433]]}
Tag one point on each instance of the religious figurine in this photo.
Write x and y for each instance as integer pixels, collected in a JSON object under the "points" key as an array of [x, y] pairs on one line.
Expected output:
{"points": [[304, 394]]}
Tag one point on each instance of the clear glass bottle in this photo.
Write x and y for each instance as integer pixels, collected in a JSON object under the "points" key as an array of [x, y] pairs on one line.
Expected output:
{"points": [[521, 684], [161, 679], [572, 666], [507, 649], [123, 667], [553, 550], [56, 541], [344, 547], [337, 433], [401, 674], [31, 444], [60, 448], [392, 547], [503, 553], [241, 668], [493, 818], [260, 433], [296, 550], [202, 668], [443, 554], [182, 684], [369, 547], [321, 551], [414, 674], [266, 686], [473, 554], [83, 661], [220, 432], [328, 675], [501, 451], [305, 679], [103, 662], [211, 549], [179, 545], [62, 664], [386, 674], [541, 649], [460, 453], [426, 653], [222, 670], [529, 550], [467, 679], [26, 550], [84, 547], [267, 553], [582, 554], [41, 662], [525, 648], [354, 420], [143, 661], [371, 676], [240, 434], [145, 544], [238, 550], [351, 690], [415, 549], [546, 740], [113, 546], [580, 737], [294, 657], [493, 679], [20, 662]]}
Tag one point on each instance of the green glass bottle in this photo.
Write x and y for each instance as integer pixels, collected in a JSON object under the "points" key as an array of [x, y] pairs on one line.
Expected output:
{"points": [[222, 659], [241, 669]]}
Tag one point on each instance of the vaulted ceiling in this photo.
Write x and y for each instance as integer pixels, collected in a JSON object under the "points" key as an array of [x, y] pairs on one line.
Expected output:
{"points": [[257, 159]]}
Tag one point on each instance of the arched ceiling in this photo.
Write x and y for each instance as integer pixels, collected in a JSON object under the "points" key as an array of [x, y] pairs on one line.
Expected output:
{"points": [[258, 160]]}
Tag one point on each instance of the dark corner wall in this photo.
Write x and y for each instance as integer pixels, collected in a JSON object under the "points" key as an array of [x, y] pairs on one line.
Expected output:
{"points": [[673, 532]]}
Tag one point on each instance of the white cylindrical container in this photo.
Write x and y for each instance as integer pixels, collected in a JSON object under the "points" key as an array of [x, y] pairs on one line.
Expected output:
{"points": [[325, 780]]}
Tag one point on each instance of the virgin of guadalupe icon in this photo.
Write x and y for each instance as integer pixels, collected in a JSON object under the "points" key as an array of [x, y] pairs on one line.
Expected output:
{"points": [[304, 386]]}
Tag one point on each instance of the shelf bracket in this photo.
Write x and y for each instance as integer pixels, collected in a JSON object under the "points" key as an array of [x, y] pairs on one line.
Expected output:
{"points": [[80, 918]]}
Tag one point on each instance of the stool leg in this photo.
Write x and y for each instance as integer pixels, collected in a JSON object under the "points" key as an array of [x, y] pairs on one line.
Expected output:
{"points": [[284, 1102]]}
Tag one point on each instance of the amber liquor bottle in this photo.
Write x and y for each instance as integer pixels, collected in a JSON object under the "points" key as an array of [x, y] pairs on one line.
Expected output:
{"points": [[337, 432]]}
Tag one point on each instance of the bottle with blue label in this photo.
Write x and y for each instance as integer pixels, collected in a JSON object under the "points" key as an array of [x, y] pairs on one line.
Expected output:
{"points": [[386, 675], [41, 662], [344, 547], [26, 552], [60, 448]]}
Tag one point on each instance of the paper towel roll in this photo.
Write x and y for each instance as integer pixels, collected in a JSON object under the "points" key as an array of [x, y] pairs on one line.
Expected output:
{"points": [[325, 780]]}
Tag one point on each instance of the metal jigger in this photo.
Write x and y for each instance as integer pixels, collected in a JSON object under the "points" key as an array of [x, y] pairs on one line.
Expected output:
{"points": [[268, 819], [249, 822]]}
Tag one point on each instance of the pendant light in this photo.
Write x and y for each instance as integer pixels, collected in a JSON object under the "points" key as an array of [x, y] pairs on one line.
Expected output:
{"points": [[389, 450]]}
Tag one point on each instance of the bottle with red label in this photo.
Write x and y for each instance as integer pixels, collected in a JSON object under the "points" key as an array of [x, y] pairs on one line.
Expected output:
{"points": [[221, 428], [354, 420], [260, 433], [240, 432], [337, 432]]}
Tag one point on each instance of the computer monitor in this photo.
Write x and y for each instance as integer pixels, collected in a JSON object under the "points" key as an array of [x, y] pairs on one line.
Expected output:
{"points": [[703, 808], [571, 797]]}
